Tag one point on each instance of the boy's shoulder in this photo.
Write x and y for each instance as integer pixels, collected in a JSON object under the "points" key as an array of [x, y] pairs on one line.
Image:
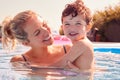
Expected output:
{"points": [[85, 43]]}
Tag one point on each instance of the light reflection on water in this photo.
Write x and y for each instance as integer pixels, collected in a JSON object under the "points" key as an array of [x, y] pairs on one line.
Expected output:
{"points": [[107, 64]]}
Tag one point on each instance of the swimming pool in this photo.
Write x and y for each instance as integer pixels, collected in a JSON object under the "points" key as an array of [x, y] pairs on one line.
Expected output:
{"points": [[107, 57]]}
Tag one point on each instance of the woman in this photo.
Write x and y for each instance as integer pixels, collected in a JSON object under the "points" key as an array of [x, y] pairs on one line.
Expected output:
{"points": [[31, 30]]}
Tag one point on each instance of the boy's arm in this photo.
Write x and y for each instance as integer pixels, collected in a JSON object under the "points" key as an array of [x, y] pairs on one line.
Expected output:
{"points": [[76, 50]]}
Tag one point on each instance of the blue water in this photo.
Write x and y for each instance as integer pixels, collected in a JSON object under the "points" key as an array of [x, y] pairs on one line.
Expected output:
{"points": [[107, 67], [104, 49]]}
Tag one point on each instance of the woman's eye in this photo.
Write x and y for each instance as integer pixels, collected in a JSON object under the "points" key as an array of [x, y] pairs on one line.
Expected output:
{"points": [[37, 33]]}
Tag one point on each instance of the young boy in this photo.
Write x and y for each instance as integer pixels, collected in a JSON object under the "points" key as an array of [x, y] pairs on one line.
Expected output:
{"points": [[76, 22]]}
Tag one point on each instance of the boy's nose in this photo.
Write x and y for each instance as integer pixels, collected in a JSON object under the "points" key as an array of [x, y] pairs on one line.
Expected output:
{"points": [[72, 27]]}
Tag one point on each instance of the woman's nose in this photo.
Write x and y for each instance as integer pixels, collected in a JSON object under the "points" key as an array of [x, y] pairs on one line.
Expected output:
{"points": [[45, 31]]}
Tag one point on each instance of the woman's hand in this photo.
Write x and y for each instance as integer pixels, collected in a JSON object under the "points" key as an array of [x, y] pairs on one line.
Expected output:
{"points": [[72, 66]]}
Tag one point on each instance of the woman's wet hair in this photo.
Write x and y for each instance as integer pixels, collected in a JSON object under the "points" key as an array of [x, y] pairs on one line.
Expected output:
{"points": [[13, 28]]}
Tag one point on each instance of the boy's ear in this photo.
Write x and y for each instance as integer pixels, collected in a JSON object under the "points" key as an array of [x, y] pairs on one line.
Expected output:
{"points": [[89, 26], [61, 30], [61, 27]]}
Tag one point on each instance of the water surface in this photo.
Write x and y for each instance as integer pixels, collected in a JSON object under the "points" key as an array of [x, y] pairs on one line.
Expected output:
{"points": [[107, 66]]}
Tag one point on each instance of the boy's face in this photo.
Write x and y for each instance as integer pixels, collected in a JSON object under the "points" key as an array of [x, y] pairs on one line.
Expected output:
{"points": [[74, 27]]}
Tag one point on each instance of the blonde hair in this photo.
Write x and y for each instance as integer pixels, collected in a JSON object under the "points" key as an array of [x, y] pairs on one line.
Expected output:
{"points": [[13, 29]]}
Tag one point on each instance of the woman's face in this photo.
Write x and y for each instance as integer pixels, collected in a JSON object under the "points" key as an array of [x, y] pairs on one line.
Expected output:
{"points": [[74, 27], [39, 33]]}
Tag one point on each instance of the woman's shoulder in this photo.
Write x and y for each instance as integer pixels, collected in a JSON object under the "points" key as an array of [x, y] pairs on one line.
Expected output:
{"points": [[16, 58]]}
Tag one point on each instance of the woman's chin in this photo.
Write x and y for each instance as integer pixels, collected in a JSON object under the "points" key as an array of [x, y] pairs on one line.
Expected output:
{"points": [[51, 42]]}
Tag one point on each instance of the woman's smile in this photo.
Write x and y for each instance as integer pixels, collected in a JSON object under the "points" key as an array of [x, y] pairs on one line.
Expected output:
{"points": [[47, 38]]}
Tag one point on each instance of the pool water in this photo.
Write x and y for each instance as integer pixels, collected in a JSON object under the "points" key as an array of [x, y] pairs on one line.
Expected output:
{"points": [[107, 66]]}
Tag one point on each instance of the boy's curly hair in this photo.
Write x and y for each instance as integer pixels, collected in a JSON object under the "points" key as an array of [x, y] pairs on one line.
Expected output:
{"points": [[77, 8]]}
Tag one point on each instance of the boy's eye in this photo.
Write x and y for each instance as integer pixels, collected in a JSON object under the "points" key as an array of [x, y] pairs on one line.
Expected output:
{"points": [[66, 24], [78, 24]]}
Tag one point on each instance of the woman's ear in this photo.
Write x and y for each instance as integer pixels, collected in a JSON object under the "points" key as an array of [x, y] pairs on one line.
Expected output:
{"points": [[25, 43]]}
